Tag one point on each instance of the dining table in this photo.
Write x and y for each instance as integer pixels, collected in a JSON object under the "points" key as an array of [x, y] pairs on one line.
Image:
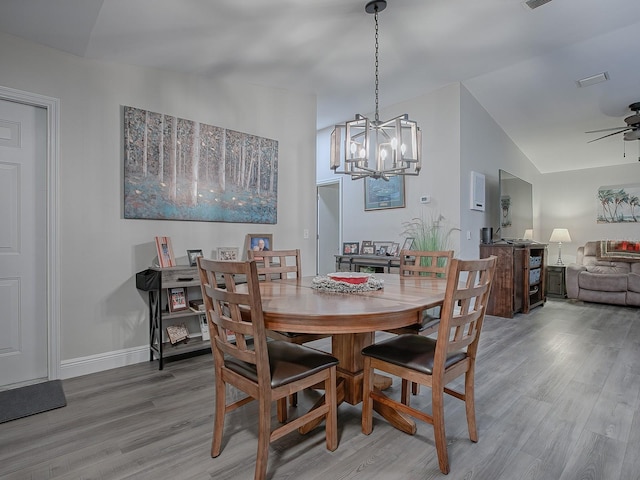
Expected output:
{"points": [[299, 306]]}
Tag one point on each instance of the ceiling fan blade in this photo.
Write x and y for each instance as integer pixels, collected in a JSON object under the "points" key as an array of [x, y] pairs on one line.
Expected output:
{"points": [[611, 134], [608, 129]]}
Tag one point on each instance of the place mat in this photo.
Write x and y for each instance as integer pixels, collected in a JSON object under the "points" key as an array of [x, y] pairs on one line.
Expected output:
{"points": [[326, 284]]}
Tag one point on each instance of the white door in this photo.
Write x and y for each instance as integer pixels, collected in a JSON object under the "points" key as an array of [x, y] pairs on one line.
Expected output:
{"points": [[329, 223], [23, 244]]}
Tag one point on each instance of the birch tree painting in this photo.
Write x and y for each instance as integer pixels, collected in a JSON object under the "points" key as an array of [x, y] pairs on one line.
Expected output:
{"points": [[177, 169]]}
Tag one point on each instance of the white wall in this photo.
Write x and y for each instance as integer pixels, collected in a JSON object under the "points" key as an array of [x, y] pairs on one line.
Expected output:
{"points": [[100, 252], [569, 200]]}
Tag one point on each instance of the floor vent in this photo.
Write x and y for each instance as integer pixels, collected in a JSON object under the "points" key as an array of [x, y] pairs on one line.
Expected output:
{"points": [[533, 4]]}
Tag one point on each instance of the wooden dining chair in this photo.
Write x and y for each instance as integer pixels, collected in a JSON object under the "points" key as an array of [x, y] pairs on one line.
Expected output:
{"points": [[425, 263], [277, 265], [265, 371], [436, 362]]}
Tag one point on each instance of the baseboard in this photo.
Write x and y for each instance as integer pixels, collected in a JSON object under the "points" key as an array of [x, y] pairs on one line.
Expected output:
{"points": [[103, 361]]}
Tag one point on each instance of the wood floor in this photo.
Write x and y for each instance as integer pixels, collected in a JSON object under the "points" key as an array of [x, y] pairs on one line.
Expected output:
{"points": [[557, 397]]}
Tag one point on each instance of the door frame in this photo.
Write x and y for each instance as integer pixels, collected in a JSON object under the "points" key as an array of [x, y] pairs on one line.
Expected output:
{"points": [[324, 183], [52, 107]]}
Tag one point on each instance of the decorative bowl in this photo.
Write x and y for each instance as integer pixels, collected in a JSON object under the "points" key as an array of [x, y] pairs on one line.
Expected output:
{"points": [[349, 277]]}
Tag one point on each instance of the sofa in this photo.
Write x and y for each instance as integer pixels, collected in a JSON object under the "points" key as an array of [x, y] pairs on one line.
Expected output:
{"points": [[605, 272]]}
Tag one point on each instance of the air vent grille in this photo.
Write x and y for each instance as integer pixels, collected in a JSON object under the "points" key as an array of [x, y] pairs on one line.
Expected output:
{"points": [[533, 4]]}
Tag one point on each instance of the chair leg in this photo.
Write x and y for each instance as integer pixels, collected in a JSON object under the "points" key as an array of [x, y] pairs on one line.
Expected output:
{"points": [[281, 408], [331, 422], [469, 403], [437, 400], [264, 434], [404, 393], [293, 399], [367, 401], [415, 388], [218, 423]]}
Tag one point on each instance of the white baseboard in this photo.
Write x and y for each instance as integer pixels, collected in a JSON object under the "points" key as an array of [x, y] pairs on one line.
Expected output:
{"points": [[103, 361]]}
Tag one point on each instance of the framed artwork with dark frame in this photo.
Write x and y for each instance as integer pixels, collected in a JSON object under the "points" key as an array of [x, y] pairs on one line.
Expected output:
{"points": [[408, 243], [257, 242], [380, 194], [177, 299], [350, 248], [193, 257]]}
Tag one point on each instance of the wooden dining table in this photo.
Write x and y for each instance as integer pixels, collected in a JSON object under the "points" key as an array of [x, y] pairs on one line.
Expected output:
{"points": [[293, 305]]}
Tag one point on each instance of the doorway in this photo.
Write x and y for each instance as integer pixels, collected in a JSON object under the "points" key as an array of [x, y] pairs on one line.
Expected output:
{"points": [[29, 346], [329, 213]]}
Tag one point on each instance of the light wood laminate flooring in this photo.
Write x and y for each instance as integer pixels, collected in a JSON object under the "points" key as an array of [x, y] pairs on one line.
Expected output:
{"points": [[557, 397]]}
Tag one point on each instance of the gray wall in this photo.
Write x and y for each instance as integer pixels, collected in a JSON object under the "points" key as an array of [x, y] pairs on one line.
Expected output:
{"points": [[102, 314]]}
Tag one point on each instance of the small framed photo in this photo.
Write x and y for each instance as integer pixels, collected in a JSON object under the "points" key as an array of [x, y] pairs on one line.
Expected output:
{"points": [[165, 252], [368, 250], [350, 248], [193, 257], [228, 253], [408, 243], [393, 249], [382, 250], [257, 242], [177, 299]]}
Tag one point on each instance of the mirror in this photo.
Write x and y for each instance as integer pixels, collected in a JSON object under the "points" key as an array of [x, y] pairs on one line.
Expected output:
{"points": [[516, 206]]}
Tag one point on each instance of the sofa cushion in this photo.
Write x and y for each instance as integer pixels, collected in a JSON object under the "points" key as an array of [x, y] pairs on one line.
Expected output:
{"points": [[633, 282], [604, 282], [598, 296], [633, 298], [635, 268], [609, 267]]}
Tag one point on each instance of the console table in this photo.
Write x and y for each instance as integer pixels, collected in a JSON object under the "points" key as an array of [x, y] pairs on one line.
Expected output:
{"points": [[379, 263]]}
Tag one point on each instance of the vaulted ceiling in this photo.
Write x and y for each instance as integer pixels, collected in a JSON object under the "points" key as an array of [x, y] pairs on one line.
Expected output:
{"points": [[521, 64]]}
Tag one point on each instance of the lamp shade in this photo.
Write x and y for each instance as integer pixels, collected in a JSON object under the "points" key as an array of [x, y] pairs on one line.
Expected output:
{"points": [[560, 235], [528, 234]]}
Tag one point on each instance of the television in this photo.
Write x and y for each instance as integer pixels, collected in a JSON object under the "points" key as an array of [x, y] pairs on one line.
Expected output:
{"points": [[516, 206]]}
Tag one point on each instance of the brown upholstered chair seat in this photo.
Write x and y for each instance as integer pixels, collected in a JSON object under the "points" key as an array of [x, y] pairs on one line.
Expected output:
{"points": [[410, 351], [288, 363]]}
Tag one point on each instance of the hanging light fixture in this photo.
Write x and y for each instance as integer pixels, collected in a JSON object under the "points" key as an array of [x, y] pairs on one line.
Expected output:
{"points": [[365, 148]]}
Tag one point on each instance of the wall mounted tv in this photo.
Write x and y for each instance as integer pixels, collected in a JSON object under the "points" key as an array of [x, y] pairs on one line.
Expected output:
{"points": [[516, 206]]}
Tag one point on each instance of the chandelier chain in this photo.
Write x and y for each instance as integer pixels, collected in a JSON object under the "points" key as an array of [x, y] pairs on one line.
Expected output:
{"points": [[377, 82]]}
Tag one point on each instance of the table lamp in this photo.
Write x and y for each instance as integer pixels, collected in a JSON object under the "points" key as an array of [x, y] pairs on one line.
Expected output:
{"points": [[560, 235], [528, 234]]}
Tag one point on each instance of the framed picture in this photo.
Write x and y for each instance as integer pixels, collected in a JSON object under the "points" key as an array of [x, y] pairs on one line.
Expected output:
{"points": [[368, 250], [257, 242], [408, 243], [380, 194], [177, 333], [350, 248], [381, 248], [393, 249], [227, 253], [193, 257], [165, 252], [177, 299]]}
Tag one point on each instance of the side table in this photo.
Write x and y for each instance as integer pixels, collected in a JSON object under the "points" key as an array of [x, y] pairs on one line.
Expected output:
{"points": [[556, 285]]}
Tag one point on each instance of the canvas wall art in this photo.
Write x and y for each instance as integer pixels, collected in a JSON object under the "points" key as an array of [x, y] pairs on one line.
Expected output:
{"points": [[618, 204], [178, 169]]}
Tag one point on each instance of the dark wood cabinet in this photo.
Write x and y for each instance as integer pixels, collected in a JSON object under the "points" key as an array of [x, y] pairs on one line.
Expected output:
{"points": [[519, 281], [556, 284]]}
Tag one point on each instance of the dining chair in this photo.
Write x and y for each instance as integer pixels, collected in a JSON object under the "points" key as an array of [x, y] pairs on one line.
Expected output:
{"points": [[277, 265], [264, 371], [426, 263], [435, 362]]}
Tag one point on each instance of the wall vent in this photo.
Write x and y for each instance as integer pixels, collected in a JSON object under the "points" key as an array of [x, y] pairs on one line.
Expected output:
{"points": [[533, 4]]}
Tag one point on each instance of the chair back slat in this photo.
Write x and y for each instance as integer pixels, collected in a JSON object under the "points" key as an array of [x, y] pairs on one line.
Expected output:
{"points": [[235, 318], [422, 262], [277, 264], [464, 306]]}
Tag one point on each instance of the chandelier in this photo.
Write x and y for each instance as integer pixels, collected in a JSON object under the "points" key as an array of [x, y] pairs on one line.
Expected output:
{"points": [[373, 148]]}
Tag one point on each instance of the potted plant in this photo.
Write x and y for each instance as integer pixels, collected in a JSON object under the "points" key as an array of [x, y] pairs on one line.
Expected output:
{"points": [[429, 233]]}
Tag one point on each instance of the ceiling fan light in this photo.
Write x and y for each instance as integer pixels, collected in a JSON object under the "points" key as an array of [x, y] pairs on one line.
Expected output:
{"points": [[632, 135]]}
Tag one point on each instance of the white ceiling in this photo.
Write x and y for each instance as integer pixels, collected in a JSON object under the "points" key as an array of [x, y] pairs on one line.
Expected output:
{"points": [[520, 64]]}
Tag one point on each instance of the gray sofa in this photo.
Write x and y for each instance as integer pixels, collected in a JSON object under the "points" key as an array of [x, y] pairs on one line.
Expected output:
{"points": [[594, 279]]}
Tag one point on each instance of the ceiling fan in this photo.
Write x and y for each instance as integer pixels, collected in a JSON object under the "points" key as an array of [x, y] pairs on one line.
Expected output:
{"points": [[631, 130]]}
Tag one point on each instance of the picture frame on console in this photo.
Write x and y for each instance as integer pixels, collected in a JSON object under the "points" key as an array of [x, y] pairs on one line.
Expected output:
{"points": [[350, 248], [257, 242], [193, 255]]}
